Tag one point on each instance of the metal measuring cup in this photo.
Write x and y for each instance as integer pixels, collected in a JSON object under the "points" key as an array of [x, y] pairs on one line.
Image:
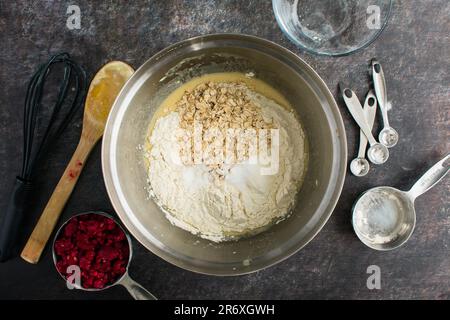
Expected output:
{"points": [[384, 217], [137, 291]]}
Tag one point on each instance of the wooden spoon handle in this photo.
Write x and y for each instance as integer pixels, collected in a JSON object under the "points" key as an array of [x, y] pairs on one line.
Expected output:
{"points": [[42, 231]]}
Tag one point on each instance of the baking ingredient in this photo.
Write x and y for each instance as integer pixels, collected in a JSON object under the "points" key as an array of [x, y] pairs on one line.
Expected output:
{"points": [[97, 245], [216, 199]]}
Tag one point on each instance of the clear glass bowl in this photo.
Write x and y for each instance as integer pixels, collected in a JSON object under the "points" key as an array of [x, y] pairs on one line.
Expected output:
{"points": [[332, 27]]}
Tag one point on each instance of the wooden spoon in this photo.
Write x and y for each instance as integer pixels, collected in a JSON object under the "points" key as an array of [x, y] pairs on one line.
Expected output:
{"points": [[102, 93]]}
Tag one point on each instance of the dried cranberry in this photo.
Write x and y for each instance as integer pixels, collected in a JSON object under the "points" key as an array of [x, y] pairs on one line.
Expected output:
{"points": [[62, 267], [63, 245], [71, 228]]}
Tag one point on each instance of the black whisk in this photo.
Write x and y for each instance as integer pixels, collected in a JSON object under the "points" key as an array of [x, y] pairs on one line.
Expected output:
{"points": [[68, 101]]}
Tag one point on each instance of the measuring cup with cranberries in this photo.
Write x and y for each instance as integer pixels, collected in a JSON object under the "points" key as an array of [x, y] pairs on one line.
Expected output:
{"points": [[92, 252]]}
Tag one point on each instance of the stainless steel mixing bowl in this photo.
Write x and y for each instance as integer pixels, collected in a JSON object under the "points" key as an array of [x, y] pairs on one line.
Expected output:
{"points": [[124, 169]]}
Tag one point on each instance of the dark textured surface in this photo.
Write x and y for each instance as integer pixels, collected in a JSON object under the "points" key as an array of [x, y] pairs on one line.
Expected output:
{"points": [[415, 52]]}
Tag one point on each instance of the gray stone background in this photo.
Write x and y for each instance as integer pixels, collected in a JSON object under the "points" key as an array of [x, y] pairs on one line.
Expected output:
{"points": [[415, 53]]}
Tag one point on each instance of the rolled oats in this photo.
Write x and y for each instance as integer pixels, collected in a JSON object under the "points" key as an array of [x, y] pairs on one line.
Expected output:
{"points": [[218, 105]]}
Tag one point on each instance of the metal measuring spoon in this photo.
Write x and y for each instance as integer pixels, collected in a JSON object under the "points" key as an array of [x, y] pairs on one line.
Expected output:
{"points": [[137, 291], [377, 152], [360, 166], [384, 217], [388, 136]]}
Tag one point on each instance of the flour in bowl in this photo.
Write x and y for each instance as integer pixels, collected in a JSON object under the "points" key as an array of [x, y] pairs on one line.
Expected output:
{"points": [[206, 165]]}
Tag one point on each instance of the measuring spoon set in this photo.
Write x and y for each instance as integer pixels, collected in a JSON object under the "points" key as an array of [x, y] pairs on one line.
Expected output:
{"points": [[383, 217], [378, 152]]}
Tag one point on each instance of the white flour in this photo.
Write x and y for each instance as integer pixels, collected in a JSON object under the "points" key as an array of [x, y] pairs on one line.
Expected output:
{"points": [[244, 201]]}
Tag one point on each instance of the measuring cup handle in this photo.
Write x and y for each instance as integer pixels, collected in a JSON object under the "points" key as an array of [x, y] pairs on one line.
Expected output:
{"points": [[430, 178], [137, 291]]}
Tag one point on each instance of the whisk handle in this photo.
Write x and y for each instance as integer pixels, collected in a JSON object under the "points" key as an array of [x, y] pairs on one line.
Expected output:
{"points": [[12, 218]]}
